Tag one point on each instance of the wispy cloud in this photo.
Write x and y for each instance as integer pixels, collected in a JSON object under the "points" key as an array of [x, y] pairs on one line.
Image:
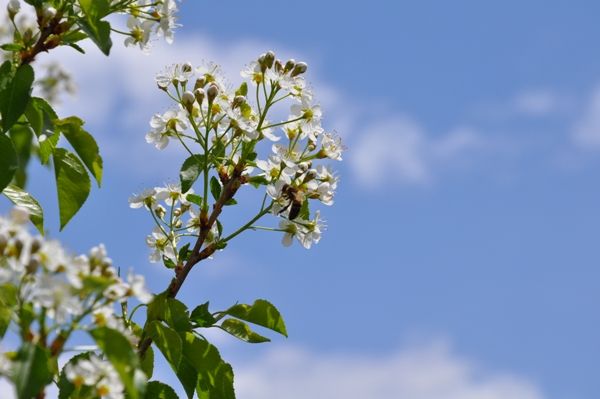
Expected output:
{"points": [[398, 150], [586, 130], [538, 103], [428, 372]]}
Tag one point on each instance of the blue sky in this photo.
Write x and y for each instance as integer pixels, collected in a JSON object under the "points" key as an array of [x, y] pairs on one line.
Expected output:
{"points": [[462, 250]]}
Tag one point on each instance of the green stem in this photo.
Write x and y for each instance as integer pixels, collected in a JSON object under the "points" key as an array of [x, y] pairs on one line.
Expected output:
{"points": [[249, 224]]}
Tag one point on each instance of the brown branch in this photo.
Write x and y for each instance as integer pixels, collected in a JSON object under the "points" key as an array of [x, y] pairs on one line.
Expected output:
{"points": [[54, 27], [230, 188]]}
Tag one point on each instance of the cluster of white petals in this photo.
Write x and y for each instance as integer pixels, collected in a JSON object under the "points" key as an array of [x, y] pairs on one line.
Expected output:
{"points": [[148, 18], [176, 217], [96, 374], [228, 125], [63, 287]]}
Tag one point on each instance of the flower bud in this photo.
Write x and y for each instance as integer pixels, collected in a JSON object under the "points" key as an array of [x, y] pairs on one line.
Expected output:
{"points": [[187, 67], [160, 211], [299, 69], [278, 66], [200, 83], [199, 94], [3, 243], [177, 212], [212, 92], [237, 101], [27, 35], [13, 8], [35, 246], [289, 65], [48, 12], [187, 100], [269, 59], [262, 63]]}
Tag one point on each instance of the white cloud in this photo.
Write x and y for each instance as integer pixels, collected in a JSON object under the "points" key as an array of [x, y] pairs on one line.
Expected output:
{"points": [[539, 102], [423, 372], [398, 150], [586, 131], [431, 372]]}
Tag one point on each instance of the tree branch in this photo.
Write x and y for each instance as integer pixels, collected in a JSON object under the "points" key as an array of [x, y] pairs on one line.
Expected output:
{"points": [[230, 188]]}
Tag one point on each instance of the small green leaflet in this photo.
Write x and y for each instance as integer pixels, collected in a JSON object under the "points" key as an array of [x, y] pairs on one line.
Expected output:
{"points": [[8, 161], [72, 183], [15, 96], [24, 200], [83, 143]]}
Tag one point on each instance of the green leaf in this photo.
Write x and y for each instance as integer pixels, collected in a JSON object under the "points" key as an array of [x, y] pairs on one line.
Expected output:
{"points": [[98, 31], [258, 181], [190, 170], [73, 37], [5, 75], [215, 188], [8, 161], [230, 202], [215, 377], [26, 317], [177, 316], [8, 300], [72, 182], [184, 253], [24, 200], [95, 9], [120, 354], [242, 90], [47, 147], [188, 376], [15, 96], [147, 362], [261, 313], [5, 318], [41, 116], [221, 386], [11, 47], [21, 136], [194, 199], [83, 143], [202, 317], [158, 390], [76, 47], [241, 330], [32, 370], [167, 340]]}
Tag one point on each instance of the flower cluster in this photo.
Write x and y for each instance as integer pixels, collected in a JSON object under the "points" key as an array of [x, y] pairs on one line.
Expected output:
{"points": [[150, 17], [176, 217], [230, 128], [95, 376], [145, 18], [61, 288]]}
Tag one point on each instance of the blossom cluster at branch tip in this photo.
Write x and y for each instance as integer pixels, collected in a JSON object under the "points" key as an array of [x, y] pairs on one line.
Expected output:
{"points": [[211, 120], [63, 287], [147, 18]]}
